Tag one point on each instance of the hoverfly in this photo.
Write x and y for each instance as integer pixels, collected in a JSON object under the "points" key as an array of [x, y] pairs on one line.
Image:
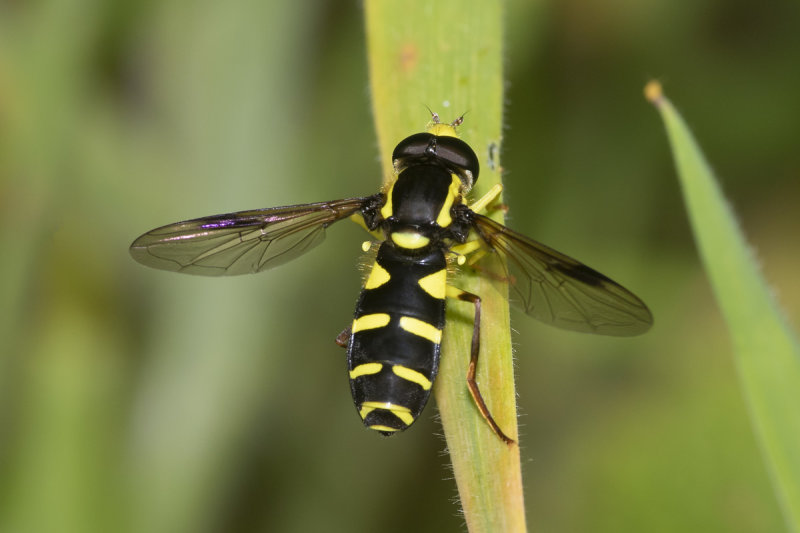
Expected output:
{"points": [[393, 343]]}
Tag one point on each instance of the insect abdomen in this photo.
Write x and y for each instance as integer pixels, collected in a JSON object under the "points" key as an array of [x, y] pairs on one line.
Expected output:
{"points": [[393, 355]]}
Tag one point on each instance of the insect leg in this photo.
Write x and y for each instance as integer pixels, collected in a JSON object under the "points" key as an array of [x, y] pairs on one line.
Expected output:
{"points": [[458, 294], [474, 243], [462, 250], [474, 249], [343, 338], [480, 204]]}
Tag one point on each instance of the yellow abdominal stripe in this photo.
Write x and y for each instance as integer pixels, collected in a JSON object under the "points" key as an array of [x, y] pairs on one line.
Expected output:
{"points": [[413, 376], [434, 284], [365, 370], [420, 328], [403, 413], [378, 427], [373, 321], [377, 277]]}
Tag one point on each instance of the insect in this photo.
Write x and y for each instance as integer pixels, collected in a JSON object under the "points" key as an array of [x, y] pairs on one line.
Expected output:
{"points": [[393, 343]]}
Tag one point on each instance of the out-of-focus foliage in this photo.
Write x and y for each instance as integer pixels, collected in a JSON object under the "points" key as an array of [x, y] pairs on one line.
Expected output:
{"points": [[767, 351], [138, 399]]}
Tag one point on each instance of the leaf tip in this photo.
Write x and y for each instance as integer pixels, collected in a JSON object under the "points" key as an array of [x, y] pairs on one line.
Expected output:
{"points": [[654, 93]]}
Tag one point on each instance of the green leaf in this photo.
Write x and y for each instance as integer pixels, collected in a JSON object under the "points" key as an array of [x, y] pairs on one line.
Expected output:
{"points": [[766, 350], [447, 55]]}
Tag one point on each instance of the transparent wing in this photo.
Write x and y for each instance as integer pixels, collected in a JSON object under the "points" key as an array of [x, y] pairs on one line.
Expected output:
{"points": [[561, 291], [242, 242]]}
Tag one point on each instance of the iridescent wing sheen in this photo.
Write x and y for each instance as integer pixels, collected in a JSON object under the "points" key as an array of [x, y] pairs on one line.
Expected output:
{"points": [[561, 291], [242, 242]]}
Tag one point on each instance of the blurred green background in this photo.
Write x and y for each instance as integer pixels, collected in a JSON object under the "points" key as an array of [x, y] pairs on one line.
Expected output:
{"points": [[137, 400]]}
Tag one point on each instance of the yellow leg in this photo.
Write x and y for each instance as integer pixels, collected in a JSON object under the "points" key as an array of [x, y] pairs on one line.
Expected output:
{"points": [[461, 251], [489, 197], [466, 248]]}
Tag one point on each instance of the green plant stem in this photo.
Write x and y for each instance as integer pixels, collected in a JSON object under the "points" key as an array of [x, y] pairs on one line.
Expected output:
{"points": [[447, 55]]}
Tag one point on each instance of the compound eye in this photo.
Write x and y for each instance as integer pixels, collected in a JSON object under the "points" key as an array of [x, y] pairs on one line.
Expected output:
{"points": [[458, 156], [450, 152], [414, 146]]}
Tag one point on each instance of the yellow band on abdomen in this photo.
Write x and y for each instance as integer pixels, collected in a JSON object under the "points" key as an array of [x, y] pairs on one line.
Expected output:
{"points": [[421, 329], [413, 376], [365, 370], [373, 321]]}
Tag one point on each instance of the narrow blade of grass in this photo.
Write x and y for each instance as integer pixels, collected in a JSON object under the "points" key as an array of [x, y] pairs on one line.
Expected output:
{"points": [[447, 55], [767, 352]]}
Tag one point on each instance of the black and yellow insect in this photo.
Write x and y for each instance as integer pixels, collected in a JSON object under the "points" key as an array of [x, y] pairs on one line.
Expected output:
{"points": [[394, 341]]}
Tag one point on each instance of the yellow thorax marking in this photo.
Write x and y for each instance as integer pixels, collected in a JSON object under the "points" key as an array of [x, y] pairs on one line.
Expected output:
{"points": [[373, 321], [365, 369], [444, 219], [386, 210], [403, 413], [421, 329], [434, 284], [412, 375], [377, 277], [410, 240]]}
